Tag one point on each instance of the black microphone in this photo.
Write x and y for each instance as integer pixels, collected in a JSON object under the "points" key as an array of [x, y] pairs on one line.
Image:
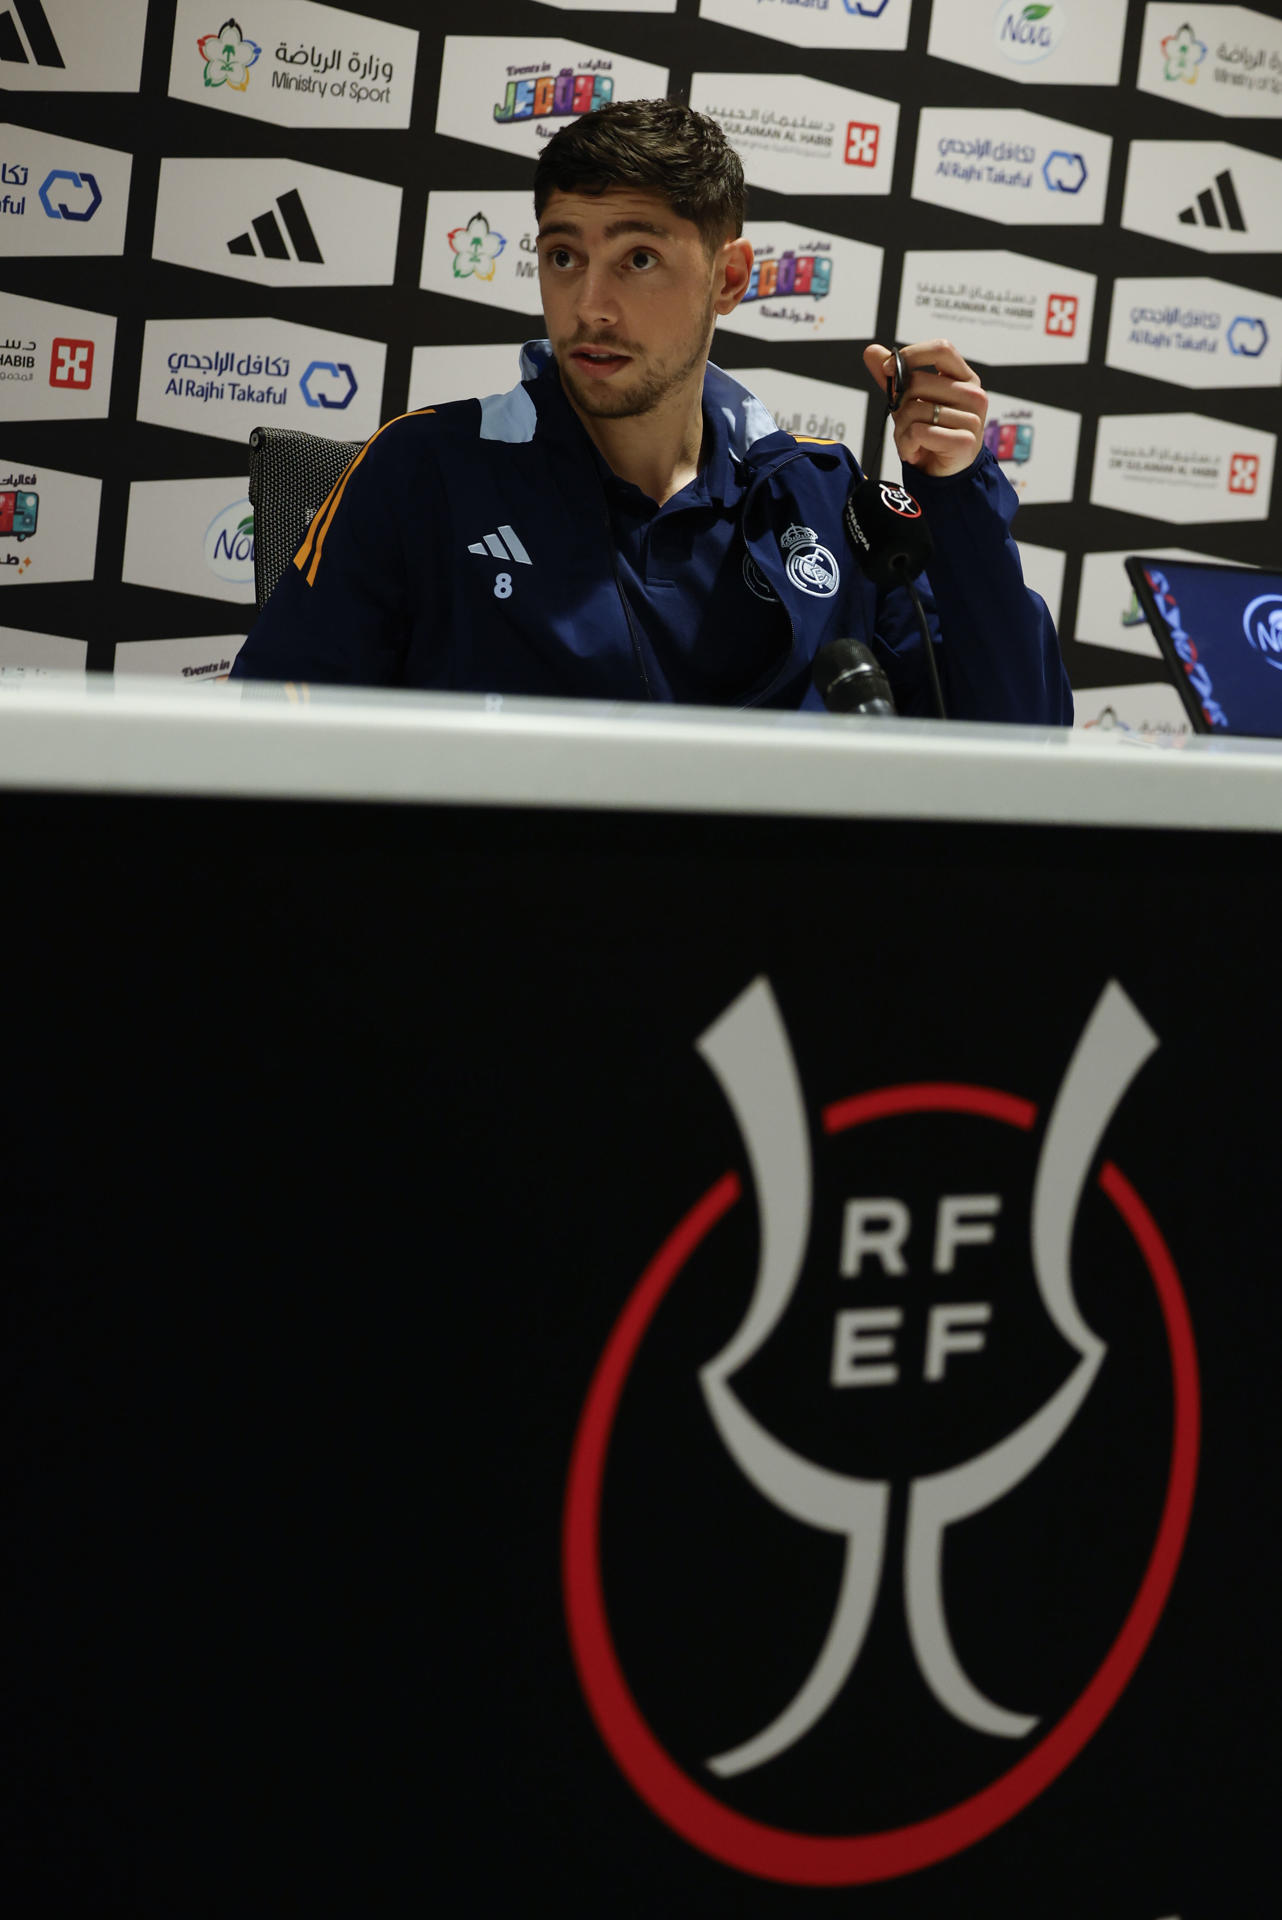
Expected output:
{"points": [[888, 531], [848, 679]]}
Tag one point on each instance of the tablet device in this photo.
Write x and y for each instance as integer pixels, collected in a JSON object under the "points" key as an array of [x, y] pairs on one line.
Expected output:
{"points": [[1219, 629]]}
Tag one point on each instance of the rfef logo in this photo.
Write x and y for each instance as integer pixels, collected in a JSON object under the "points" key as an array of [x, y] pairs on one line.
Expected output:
{"points": [[1061, 314], [1244, 472], [71, 364], [862, 1579], [900, 501], [79, 183], [327, 384], [861, 144], [228, 56]]}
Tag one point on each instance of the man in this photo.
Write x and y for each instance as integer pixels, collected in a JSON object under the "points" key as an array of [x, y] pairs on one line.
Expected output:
{"points": [[628, 523]]}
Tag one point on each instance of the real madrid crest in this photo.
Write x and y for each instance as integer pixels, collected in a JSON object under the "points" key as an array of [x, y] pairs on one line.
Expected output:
{"points": [[810, 566]]}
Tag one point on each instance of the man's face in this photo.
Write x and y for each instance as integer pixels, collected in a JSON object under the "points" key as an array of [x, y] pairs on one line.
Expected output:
{"points": [[629, 295]]}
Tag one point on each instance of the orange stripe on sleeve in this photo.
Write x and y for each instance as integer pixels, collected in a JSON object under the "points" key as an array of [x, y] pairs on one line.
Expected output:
{"points": [[314, 539]]}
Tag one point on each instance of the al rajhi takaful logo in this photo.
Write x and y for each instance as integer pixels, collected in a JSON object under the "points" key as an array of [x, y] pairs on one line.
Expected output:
{"points": [[851, 1573]]}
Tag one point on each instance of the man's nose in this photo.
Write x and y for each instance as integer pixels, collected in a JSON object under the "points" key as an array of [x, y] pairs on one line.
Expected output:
{"points": [[597, 304]]}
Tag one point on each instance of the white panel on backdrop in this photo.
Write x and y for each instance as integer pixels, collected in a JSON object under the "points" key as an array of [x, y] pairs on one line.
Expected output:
{"points": [[206, 660], [1153, 710], [802, 136], [60, 196], [23, 653], [481, 246], [191, 536], [1108, 608], [1001, 309], [48, 524], [1205, 194], [1183, 467], [1225, 60], [818, 408], [1034, 444], [277, 222], [808, 285], [66, 46], [294, 63], [865, 24], [441, 374], [1008, 165], [610, 6], [55, 361], [224, 377], [1196, 333], [513, 95], [1044, 573], [1067, 43]]}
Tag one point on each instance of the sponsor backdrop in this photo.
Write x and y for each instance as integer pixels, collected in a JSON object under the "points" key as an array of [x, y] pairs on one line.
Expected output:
{"points": [[210, 219]]}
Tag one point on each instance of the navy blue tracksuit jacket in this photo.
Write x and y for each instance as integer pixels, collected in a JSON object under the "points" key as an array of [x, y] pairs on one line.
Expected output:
{"points": [[485, 546]]}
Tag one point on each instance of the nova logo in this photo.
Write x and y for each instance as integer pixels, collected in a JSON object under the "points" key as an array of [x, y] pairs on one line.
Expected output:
{"points": [[1182, 53], [1244, 472], [326, 384], [1061, 314], [80, 183], [43, 47], [790, 273], [555, 96], [228, 56], [229, 544], [1064, 172], [71, 364], [883, 1391], [271, 242], [476, 248], [1027, 33], [1262, 625], [861, 144]]}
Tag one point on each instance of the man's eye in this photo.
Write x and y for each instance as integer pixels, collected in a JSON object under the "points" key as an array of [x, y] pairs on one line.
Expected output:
{"points": [[558, 256], [643, 259]]}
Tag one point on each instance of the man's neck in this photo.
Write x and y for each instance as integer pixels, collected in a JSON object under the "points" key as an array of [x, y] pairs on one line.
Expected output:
{"points": [[657, 451]]}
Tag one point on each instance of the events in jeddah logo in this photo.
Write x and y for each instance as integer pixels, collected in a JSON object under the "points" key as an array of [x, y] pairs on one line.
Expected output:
{"points": [[861, 1443], [476, 248], [1027, 33], [228, 56], [1182, 55]]}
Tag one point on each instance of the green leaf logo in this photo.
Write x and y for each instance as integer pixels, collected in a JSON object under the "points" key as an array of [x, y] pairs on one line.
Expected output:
{"points": [[1035, 13]]}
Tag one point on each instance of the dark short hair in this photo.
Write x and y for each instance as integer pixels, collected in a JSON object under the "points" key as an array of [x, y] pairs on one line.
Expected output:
{"points": [[659, 146]]}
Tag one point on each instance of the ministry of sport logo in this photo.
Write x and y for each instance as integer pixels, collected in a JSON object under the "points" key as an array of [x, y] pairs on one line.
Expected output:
{"points": [[862, 1445], [228, 56]]}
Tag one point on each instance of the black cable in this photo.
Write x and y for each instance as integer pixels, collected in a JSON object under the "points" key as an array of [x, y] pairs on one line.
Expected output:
{"points": [[941, 712]]}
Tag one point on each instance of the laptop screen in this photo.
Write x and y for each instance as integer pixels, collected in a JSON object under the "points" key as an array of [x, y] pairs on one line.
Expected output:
{"points": [[1220, 632]]}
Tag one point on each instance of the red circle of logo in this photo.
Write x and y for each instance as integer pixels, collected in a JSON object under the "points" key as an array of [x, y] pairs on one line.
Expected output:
{"points": [[776, 1853], [900, 501]]}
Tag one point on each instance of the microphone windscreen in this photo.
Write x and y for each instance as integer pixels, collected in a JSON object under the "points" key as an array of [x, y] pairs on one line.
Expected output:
{"points": [[848, 679], [888, 531]]}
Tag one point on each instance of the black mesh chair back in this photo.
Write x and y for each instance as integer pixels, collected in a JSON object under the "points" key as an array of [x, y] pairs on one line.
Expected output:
{"points": [[290, 475]]}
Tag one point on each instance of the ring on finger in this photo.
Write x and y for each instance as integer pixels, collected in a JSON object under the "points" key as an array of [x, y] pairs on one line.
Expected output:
{"points": [[934, 418]]}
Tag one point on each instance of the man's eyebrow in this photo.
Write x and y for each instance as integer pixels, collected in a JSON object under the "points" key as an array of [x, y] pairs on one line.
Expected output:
{"points": [[612, 232]]}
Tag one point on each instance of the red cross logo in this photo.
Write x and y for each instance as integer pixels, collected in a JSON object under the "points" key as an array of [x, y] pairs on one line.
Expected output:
{"points": [[71, 364], [1061, 314], [861, 144], [1244, 472]]}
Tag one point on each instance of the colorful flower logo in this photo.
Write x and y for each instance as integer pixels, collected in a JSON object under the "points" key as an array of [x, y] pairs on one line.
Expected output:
{"points": [[476, 249], [228, 56], [1184, 54]]}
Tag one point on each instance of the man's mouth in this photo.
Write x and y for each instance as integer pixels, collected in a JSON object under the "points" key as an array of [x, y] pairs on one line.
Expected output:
{"points": [[598, 361]]}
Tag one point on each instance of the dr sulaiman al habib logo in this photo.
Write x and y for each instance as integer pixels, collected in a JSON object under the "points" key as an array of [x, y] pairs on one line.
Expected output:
{"points": [[865, 1491]]}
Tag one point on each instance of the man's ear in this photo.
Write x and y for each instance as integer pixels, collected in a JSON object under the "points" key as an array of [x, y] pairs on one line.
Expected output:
{"points": [[734, 270]]}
